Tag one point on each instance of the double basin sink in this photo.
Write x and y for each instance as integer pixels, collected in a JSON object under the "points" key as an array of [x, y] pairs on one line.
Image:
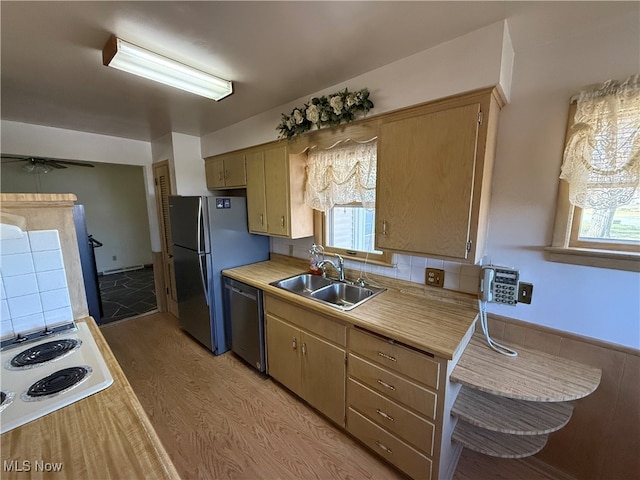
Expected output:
{"points": [[341, 295]]}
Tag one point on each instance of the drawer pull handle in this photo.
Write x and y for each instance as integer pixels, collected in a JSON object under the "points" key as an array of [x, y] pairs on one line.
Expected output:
{"points": [[386, 385], [304, 348], [383, 447], [388, 357], [294, 344], [385, 415]]}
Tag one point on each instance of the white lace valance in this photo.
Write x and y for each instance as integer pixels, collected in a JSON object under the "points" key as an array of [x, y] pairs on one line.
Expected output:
{"points": [[602, 156], [340, 175]]}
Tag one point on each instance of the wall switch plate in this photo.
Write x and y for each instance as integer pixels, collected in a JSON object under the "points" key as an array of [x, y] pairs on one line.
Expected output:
{"points": [[434, 277], [525, 291]]}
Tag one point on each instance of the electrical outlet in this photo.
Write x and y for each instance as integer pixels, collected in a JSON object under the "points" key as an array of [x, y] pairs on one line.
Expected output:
{"points": [[525, 291], [290, 250], [114, 258], [434, 277]]}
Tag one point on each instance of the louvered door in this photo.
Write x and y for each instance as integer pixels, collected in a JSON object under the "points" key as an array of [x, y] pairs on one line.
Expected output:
{"points": [[163, 188]]}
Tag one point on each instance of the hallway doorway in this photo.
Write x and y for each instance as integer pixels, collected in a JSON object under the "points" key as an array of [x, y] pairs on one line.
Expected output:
{"points": [[127, 294]]}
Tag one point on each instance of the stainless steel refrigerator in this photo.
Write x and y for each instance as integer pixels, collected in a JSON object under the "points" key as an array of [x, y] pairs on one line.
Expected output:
{"points": [[209, 234]]}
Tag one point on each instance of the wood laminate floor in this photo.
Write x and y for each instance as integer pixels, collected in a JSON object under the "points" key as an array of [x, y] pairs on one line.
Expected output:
{"points": [[219, 419]]}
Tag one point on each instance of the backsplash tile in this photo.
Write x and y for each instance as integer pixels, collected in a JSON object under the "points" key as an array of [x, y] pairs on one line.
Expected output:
{"points": [[24, 305], [19, 285], [33, 283], [47, 260], [54, 299], [16, 264], [29, 323], [51, 280], [42, 240], [12, 246]]}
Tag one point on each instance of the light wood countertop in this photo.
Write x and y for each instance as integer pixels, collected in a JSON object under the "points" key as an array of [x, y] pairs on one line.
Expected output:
{"points": [[439, 323], [104, 436]]}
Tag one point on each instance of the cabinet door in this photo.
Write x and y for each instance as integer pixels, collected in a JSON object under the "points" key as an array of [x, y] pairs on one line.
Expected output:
{"points": [[283, 353], [214, 170], [276, 170], [235, 173], [323, 376], [256, 200], [425, 182]]}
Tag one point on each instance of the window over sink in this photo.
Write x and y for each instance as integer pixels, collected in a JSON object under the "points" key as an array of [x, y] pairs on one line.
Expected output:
{"points": [[341, 187]]}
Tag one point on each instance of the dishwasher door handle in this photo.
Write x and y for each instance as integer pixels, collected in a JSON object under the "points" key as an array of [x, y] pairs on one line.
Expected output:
{"points": [[243, 293]]}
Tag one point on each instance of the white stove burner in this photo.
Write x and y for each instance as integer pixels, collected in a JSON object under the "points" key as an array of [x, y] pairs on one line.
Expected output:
{"points": [[23, 410], [33, 357], [7, 399]]}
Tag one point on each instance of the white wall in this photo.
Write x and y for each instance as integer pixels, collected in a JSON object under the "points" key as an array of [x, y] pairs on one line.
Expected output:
{"points": [[27, 139], [547, 70], [188, 165]]}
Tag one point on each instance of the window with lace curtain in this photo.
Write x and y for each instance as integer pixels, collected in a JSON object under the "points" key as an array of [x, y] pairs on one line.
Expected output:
{"points": [[341, 186], [601, 173]]}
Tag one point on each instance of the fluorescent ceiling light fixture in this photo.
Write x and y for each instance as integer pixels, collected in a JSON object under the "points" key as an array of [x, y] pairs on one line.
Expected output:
{"points": [[137, 60]]}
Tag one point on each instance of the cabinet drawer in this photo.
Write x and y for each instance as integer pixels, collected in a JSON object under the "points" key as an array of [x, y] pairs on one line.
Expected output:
{"points": [[396, 357], [403, 456], [313, 322], [393, 417], [391, 385]]}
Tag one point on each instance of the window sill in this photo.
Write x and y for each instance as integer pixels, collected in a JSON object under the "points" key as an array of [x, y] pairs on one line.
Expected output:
{"points": [[595, 258]]}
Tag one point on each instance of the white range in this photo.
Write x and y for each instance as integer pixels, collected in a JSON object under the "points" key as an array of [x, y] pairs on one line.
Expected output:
{"points": [[49, 373]]}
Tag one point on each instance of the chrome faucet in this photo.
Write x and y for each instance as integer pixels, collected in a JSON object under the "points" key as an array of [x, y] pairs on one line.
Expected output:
{"points": [[339, 268]]}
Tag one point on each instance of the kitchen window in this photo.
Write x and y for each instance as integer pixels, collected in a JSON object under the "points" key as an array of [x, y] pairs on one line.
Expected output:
{"points": [[598, 217], [341, 187]]}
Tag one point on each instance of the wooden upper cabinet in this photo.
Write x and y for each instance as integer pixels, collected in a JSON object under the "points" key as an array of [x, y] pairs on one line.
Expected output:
{"points": [[226, 171], [275, 192], [434, 174], [256, 195]]}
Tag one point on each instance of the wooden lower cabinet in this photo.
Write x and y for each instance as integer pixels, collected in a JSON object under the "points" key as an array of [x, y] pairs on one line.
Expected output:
{"points": [[283, 350], [323, 374], [390, 447], [312, 367], [395, 403], [389, 396]]}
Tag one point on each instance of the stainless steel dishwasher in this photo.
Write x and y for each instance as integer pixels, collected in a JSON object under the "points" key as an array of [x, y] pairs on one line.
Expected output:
{"points": [[245, 317]]}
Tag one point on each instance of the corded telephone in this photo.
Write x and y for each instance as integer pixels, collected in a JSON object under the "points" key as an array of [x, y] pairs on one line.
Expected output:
{"points": [[499, 285]]}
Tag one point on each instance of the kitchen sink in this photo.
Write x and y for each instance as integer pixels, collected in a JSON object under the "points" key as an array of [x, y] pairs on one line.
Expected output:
{"points": [[305, 283], [341, 295]]}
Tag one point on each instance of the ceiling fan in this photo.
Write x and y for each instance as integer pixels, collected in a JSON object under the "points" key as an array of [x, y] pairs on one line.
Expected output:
{"points": [[41, 164]]}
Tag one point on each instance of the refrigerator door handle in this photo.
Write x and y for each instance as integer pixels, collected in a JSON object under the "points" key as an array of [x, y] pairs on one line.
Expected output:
{"points": [[202, 275], [199, 231]]}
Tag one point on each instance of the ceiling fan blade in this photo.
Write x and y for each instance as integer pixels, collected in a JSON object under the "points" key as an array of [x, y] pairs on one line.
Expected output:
{"points": [[12, 160], [77, 164], [44, 160], [50, 163], [14, 157]]}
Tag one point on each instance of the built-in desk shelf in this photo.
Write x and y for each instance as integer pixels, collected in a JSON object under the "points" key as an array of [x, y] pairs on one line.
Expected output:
{"points": [[497, 444], [508, 405], [507, 415]]}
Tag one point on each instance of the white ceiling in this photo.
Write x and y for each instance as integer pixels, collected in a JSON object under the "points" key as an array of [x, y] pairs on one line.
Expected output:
{"points": [[275, 52]]}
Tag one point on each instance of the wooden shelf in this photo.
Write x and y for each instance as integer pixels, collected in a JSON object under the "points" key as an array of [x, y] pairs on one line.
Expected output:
{"points": [[496, 444], [507, 415], [532, 375]]}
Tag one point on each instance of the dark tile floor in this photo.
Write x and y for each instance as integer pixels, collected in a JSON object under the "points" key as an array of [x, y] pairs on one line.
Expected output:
{"points": [[127, 294]]}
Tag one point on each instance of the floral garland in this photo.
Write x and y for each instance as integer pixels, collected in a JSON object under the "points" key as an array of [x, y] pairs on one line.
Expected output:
{"points": [[326, 110]]}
